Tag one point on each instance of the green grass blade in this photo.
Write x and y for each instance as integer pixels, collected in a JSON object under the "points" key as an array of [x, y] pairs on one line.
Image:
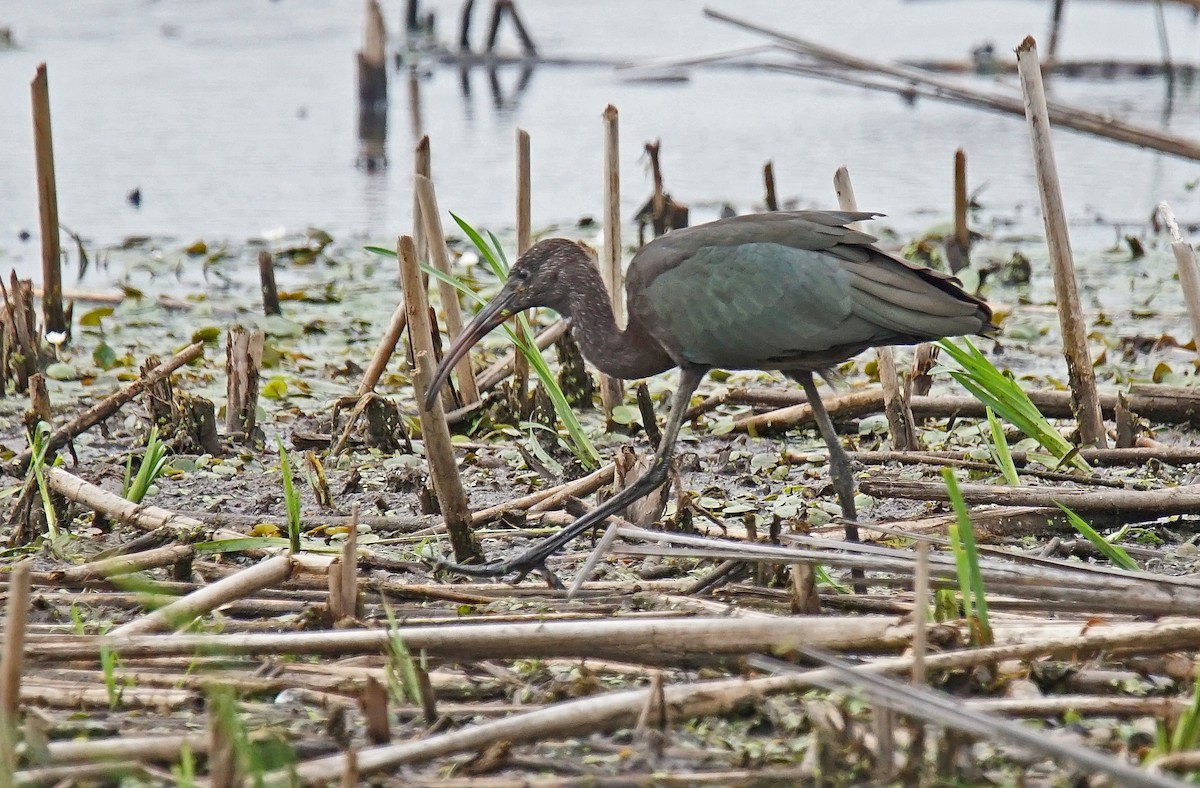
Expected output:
{"points": [[968, 563], [1000, 451], [1112, 552]]}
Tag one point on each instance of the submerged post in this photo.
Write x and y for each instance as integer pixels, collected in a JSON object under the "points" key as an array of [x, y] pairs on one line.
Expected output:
{"points": [[52, 305], [1081, 376]]}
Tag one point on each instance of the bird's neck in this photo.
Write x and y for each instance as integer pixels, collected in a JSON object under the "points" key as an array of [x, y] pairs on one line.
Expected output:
{"points": [[628, 354]]}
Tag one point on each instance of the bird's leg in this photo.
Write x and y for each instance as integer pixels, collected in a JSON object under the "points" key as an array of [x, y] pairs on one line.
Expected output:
{"points": [[839, 462], [535, 557]]}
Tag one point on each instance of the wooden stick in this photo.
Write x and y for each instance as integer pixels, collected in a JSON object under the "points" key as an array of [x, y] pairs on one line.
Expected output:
{"points": [[1184, 499], [1189, 277], [16, 615], [383, 353], [180, 613], [899, 416], [266, 276], [440, 257], [439, 452], [612, 391], [1073, 118], [147, 518], [52, 304], [1080, 373], [920, 612], [125, 564], [524, 241], [108, 406], [1053, 404]]}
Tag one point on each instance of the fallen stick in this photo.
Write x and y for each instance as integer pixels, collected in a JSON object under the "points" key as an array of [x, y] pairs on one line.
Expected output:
{"points": [[657, 640], [1181, 408], [125, 564], [1156, 503], [106, 407], [698, 699], [1174, 455], [1073, 118], [272, 571], [147, 518]]}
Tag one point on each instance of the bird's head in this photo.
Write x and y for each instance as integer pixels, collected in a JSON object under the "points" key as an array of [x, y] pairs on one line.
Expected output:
{"points": [[534, 280]]}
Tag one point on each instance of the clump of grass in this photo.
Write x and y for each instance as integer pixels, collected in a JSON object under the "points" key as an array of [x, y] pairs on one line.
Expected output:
{"points": [[1002, 394], [1113, 552], [966, 561], [1000, 453], [403, 682], [154, 461], [1184, 734]]}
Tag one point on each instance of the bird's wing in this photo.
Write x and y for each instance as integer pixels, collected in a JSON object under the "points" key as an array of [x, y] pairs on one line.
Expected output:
{"points": [[808, 298]]}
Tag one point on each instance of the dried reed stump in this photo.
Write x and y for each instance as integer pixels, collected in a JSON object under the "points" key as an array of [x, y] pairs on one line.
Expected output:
{"points": [[243, 360], [187, 421], [24, 352]]}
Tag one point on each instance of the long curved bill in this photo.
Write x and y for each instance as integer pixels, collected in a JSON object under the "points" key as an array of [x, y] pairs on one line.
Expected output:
{"points": [[493, 314]]}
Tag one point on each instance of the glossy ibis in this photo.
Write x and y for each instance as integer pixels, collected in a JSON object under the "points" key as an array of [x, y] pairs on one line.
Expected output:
{"points": [[797, 292]]}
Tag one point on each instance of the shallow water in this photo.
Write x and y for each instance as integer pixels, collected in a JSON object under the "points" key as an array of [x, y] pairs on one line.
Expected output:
{"points": [[237, 118]]}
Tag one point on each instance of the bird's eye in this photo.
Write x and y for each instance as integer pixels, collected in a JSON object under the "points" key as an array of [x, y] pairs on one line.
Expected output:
{"points": [[521, 274]]}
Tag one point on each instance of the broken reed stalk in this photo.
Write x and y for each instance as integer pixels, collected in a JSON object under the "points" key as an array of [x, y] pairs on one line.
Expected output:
{"points": [[1185, 261], [961, 203], [16, 615], [146, 518], [266, 276], [343, 575], [422, 166], [183, 611], [439, 452], [1177, 405], [1081, 375], [39, 398], [383, 353], [53, 318], [1184, 499], [920, 612], [895, 405], [612, 392], [957, 245], [125, 564], [439, 256], [243, 360], [524, 241], [771, 201], [107, 406]]}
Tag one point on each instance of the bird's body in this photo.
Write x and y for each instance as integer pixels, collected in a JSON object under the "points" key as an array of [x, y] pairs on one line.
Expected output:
{"points": [[792, 291]]}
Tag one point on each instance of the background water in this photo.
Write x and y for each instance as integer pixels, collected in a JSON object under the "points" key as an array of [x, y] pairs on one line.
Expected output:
{"points": [[236, 117]]}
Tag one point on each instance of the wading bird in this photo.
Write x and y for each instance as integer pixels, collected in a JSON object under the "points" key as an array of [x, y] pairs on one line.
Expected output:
{"points": [[797, 292]]}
